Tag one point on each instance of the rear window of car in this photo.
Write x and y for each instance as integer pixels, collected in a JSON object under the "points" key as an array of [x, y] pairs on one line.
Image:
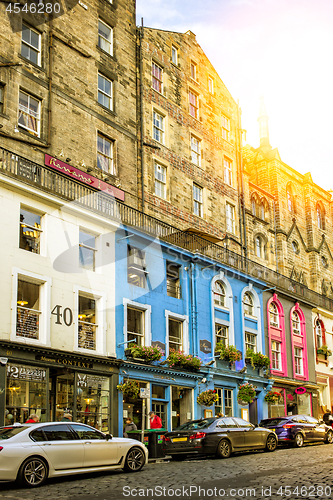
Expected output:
{"points": [[196, 424], [272, 422], [8, 432]]}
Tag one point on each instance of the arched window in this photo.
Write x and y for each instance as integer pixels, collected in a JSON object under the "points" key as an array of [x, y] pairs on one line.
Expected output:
{"points": [[273, 315], [248, 304], [320, 217], [296, 323], [262, 211], [253, 206], [290, 201], [260, 247], [219, 294], [319, 334]]}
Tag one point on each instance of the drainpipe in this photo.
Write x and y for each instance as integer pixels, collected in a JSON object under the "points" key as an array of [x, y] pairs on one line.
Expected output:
{"points": [[50, 84], [239, 183], [239, 136], [193, 310], [141, 118], [276, 252]]}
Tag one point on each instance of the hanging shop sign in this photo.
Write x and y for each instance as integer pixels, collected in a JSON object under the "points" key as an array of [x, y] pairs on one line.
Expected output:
{"points": [[145, 392], [205, 346], [83, 177], [300, 390]]}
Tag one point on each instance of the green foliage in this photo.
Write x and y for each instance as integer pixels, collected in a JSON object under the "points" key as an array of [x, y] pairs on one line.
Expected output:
{"points": [[129, 387], [148, 353], [272, 397], [246, 393], [179, 359], [258, 359], [207, 398], [229, 353], [324, 350]]}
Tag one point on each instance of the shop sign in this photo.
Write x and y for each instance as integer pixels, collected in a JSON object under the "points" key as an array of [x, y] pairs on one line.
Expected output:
{"points": [[26, 373], [83, 177], [145, 392], [65, 361], [300, 390], [205, 346], [95, 381]]}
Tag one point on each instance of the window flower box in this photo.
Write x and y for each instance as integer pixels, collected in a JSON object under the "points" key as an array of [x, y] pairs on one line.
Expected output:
{"points": [[145, 354], [177, 359], [229, 353]]}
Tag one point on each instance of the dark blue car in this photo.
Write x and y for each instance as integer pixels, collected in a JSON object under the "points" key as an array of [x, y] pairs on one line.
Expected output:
{"points": [[298, 429]]}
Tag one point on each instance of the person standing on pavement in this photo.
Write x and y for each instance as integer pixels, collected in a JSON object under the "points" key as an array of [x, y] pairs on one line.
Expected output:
{"points": [[129, 426], [33, 419], [67, 417], [155, 421]]}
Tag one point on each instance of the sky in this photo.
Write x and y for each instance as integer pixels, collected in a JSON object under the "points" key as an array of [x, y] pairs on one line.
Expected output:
{"points": [[279, 49]]}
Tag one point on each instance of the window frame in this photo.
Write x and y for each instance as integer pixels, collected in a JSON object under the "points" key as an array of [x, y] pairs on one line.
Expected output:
{"points": [[248, 303], [197, 200], [193, 70], [146, 309], [2, 98], [224, 338], [133, 254], [102, 154], [174, 50], [225, 127], [33, 228], [36, 132], [100, 37], [103, 93], [160, 183], [249, 338], [193, 104], [158, 127], [32, 47], [211, 85], [216, 293], [173, 279], [158, 80], [276, 355], [184, 320], [100, 321], [92, 249], [230, 218], [299, 361], [195, 152], [227, 168]]}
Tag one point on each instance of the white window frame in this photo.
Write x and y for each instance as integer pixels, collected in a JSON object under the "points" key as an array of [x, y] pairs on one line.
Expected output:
{"points": [[146, 309], [100, 300], [319, 334], [274, 314], [225, 127], [110, 159], [184, 319], [300, 363], [193, 70], [296, 323], [174, 50], [278, 355], [197, 201], [221, 323], [31, 47], [158, 126], [160, 178], [93, 249], [104, 93], [25, 111], [155, 78], [227, 166], [45, 283], [211, 85], [221, 392], [40, 230], [196, 150], [254, 346], [228, 308], [230, 218], [101, 38], [194, 107]]}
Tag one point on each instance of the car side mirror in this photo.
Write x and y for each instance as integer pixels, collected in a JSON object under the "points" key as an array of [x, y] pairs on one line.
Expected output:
{"points": [[108, 437]]}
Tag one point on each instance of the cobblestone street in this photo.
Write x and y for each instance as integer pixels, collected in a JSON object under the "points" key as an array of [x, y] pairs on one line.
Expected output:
{"points": [[286, 473]]}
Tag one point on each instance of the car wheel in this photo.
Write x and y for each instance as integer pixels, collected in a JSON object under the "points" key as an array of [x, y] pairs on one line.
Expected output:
{"points": [[299, 440], [329, 437], [135, 460], [271, 443], [33, 472], [224, 449]]}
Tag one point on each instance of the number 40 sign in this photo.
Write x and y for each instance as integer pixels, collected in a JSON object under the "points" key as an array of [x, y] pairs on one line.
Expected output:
{"points": [[65, 316]]}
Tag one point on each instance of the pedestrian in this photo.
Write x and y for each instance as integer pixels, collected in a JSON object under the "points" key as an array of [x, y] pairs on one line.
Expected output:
{"points": [[129, 426], [9, 418], [33, 419], [328, 418], [155, 421], [67, 417]]}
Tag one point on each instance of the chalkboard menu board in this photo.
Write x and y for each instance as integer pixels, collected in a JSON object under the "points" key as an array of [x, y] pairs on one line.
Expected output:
{"points": [[27, 323], [87, 336]]}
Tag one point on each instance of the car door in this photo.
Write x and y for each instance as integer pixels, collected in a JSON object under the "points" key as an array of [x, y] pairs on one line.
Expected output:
{"points": [[228, 426], [318, 431], [98, 451], [62, 449], [303, 425], [253, 437]]}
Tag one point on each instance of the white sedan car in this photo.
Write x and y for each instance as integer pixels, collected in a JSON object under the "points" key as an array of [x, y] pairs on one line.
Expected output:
{"points": [[33, 452]]}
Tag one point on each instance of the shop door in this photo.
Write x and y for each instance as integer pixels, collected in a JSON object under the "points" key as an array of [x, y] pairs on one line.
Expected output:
{"points": [[181, 410], [253, 410], [61, 393]]}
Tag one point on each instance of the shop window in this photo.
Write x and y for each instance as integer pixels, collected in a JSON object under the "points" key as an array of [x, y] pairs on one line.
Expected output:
{"points": [[93, 399], [87, 324], [274, 315], [30, 230], [250, 341], [221, 334], [219, 294], [248, 304], [276, 355], [136, 267], [135, 326], [277, 409], [157, 392], [28, 309], [29, 113], [173, 279], [157, 77], [175, 334], [87, 250], [133, 408], [181, 406], [63, 386], [25, 393], [224, 403]]}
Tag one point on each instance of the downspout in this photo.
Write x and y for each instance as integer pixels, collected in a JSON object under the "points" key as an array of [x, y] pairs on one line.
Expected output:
{"points": [[241, 179], [275, 238], [240, 217], [141, 118], [50, 85], [193, 310]]}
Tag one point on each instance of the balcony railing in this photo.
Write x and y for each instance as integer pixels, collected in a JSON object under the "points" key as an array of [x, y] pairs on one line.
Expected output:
{"points": [[45, 178]]}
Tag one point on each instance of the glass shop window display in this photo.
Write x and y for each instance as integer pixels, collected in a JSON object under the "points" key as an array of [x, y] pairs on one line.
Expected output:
{"points": [[93, 401]]}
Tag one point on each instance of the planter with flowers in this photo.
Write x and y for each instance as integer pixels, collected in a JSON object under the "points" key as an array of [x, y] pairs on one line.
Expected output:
{"points": [[257, 360], [129, 388], [272, 397], [246, 393], [146, 354], [229, 353], [207, 398], [177, 359], [324, 350]]}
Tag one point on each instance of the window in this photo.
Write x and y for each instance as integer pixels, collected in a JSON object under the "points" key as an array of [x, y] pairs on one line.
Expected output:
{"points": [[197, 200], [175, 334], [193, 71], [298, 358], [227, 171], [250, 341], [29, 113], [136, 267], [289, 201], [174, 55], [248, 304], [324, 262], [30, 47], [105, 37], [195, 151], [135, 326], [87, 250], [86, 433], [230, 218], [87, 322], [211, 85], [225, 127], [160, 181], [273, 315], [105, 154], [260, 247], [219, 294], [28, 309], [56, 433], [157, 77], [224, 406], [1, 98], [158, 127], [221, 334], [193, 100], [105, 92], [320, 219], [295, 247], [296, 323], [319, 334], [30, 231], [276, 355], [173, 279]]}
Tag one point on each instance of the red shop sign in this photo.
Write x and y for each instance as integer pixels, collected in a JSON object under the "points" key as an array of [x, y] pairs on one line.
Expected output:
{"points": [[300, 390]]}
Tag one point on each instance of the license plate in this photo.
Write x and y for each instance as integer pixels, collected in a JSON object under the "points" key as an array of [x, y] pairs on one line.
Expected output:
{"points": [[177, 440]]}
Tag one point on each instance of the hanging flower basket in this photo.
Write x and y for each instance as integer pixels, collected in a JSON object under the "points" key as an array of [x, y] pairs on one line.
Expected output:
{"points": [[257, 359], [246, 393], [145, 353], [208, 398], [177, 359], [272, 397], [324, 350], [129, 388], [229, 353]]}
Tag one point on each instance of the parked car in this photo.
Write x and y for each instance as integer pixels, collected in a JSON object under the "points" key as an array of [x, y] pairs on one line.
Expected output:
{"points": [[31, 453], [298, 429], [217, 436]]}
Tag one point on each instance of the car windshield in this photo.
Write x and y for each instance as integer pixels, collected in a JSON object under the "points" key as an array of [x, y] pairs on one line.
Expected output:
{"points": [[196, 424], [272, 421], [8, 432]]}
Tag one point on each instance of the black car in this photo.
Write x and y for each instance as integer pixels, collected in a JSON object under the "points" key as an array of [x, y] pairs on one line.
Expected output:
{"points": [[217, 436], [298, 429]]}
